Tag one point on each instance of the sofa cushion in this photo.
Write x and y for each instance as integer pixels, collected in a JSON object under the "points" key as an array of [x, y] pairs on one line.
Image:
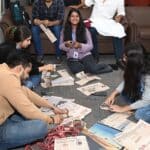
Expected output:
{"points": [[145, 32]]}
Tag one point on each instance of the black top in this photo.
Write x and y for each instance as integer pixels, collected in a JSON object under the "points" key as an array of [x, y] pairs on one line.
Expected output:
{"points": [[7, 48]]}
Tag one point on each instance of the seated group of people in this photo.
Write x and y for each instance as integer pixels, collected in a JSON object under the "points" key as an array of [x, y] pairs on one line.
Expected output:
{"points": [[19, 106]]}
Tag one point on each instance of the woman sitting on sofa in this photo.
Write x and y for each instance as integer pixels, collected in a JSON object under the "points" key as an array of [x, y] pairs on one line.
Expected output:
{"points": [[76, 41], [20, 38]]}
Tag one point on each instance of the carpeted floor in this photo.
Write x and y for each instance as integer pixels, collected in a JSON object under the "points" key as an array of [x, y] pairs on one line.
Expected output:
{"points": [[111, 79]]}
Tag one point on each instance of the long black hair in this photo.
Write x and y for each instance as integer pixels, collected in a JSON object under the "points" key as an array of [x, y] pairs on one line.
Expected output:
{"points": [[134, 71], [80, 32]]}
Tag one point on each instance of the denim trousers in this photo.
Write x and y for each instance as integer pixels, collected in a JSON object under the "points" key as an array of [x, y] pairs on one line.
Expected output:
{"points": [[117, 45], [37, 39], [33, 81], [17, 131], [143, 113], [140, 113]]}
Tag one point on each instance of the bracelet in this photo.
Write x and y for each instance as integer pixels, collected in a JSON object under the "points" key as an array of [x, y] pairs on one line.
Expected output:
{"points": [[53, 120]]}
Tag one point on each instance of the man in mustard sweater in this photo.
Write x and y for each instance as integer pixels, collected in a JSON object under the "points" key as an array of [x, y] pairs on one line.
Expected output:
{"points": [[21, 120]]}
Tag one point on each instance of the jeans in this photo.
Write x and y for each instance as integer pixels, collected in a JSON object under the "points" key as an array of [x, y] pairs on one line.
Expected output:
{"points": [[117, 45], [88, 65], [17, 131], [143, 113], [33, 81], [37, 39]]}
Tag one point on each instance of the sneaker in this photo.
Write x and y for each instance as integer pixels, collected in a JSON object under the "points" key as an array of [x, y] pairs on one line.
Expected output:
{"points": [[58, 60], [40, 59], [114, 66]]}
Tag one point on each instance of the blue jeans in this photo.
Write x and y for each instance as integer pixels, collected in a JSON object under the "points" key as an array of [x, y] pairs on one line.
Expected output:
{"points": [[37, 39], [117, 45], [17, 131], [33, 81], [143, 113]]}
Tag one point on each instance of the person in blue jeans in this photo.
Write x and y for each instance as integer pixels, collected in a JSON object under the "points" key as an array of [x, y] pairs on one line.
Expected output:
{"points": [[21, 120], [135, 87], [20, 38], [50, 13]]}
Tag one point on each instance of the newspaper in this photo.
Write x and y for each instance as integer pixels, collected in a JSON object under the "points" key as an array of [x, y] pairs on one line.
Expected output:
{"points": [[48, 32], [138, 138], [87, 79], [119, 121], [63, 81], [64, 73], [76, 111], [81, 75], [71, 143], [93, 88]]}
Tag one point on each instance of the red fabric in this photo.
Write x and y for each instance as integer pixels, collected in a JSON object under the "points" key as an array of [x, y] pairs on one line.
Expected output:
{"points": [[58, 132], [87, 23]]}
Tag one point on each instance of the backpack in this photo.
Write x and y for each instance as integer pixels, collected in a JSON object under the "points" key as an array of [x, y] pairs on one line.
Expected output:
{"points": [[19, 15], [16, 12]]}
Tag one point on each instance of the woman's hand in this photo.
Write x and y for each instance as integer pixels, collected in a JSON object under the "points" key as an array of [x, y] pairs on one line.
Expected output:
{"points": [[120, 109], [77, 45], [110, 100], [69, 44]]}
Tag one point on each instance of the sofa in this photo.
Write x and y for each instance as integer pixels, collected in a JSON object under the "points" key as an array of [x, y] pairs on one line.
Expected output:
{"points": [[141, 30], [105, 43]]}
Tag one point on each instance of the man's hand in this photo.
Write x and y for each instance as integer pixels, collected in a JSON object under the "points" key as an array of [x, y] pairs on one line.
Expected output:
{"points": [[76, 45], [68, 44], [58, 119], [60, 111], [45, 22]]}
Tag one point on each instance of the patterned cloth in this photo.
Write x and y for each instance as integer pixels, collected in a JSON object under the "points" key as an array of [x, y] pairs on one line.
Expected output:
{"points": [[54, 12]]}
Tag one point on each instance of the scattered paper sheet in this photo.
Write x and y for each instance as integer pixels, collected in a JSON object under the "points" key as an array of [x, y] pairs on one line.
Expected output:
{"points": [[93, 88], [137, 138], [87, 79], [119, 121], [81, 75], [71, 143], [64, 73], [63, 81]]}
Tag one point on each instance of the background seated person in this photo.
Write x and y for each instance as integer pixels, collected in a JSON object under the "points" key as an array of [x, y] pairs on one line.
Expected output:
{"points": [[74, 3], [76, 41]]}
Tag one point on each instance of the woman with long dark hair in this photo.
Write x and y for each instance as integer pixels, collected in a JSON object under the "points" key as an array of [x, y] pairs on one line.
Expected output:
{"points": [[136, 85], [19, 38], [76, 41]]}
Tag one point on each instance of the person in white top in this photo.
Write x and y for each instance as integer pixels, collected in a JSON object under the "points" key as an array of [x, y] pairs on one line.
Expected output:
{"points": [[105, 20]]}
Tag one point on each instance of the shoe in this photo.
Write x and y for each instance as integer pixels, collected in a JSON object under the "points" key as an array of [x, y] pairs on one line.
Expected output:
{"points": [[58, 60], [40, 59], [121, 64], [114, 66]]}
